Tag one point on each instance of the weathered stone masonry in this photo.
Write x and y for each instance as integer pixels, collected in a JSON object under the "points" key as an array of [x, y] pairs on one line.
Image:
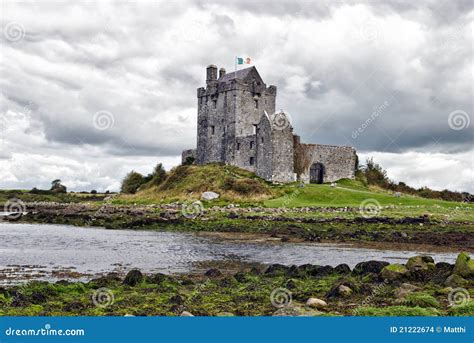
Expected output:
{"points": [[238, 125]]}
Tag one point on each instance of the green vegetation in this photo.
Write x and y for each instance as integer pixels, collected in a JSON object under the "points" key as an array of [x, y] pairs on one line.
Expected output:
{"points": [[395, 311], [245, 293], [132, 182], [188, 182], [349, 193]]}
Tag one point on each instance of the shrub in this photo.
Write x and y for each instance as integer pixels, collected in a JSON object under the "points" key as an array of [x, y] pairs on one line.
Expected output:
{"points": [[189, 160], [132, 182]]}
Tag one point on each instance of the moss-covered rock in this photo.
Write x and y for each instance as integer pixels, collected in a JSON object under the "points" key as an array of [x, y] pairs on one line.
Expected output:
{"points": [[133, 277], [420, 299], [394, 272], [420, 263], [464, 266], [455, 280]]}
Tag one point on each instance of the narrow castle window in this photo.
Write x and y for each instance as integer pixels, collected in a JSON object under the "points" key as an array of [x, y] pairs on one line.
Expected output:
{"points": [[213, 129], [238, 146], [252, 160], [251, 144], [262, 139], [256, 103], [214, 103]]}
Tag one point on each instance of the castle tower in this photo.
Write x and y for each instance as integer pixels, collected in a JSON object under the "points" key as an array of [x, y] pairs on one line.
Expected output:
{"points": [[229, 111]]}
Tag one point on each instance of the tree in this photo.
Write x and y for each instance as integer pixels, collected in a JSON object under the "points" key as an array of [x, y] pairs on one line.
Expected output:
{"points": [[159, 175], [375, 174], [93, 191], [132, 182], [57, 187]]}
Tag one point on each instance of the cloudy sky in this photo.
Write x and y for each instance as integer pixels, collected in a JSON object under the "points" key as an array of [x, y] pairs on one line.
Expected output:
{"points": [[90, 91]]}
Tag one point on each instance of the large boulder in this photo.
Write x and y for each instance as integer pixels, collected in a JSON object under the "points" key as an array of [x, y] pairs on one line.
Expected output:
{"points": [[209, 195], [394, 272], [369, 267], [421, 262], [464, 266]]}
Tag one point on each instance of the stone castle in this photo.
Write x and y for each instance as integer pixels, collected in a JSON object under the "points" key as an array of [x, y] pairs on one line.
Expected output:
{"points": [[238, 125]]}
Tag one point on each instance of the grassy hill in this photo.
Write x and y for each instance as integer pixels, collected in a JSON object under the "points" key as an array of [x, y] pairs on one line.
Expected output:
{"points": [[189, 182]]}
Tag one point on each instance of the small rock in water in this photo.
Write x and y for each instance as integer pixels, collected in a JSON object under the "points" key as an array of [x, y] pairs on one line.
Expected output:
{"points": [[316, 303], [186, 314], [209, 195]]}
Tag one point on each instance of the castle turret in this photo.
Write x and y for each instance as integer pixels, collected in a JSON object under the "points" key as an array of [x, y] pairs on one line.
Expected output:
{"points": [[221, 72], [211, 74]]}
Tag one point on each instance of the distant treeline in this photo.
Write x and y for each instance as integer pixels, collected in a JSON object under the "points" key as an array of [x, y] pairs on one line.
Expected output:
{"points": [[373, 174]]}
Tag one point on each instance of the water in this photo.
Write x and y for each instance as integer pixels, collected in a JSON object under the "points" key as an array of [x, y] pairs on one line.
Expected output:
{"points": [[40, 251]]}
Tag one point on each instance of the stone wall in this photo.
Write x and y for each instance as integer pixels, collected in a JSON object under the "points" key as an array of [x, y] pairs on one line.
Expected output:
{"points": [[188, 153], [338, 161]]}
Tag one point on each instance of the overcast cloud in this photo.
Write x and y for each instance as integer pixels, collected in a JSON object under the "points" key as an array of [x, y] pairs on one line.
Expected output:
{"points": [[91, 91]]}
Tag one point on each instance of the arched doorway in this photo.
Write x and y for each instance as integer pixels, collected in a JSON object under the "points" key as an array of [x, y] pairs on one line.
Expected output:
{"points": [[316, 173]]}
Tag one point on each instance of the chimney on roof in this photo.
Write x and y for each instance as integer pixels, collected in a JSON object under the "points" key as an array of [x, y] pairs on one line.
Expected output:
{"points": [[221, 72], [211, 73]]}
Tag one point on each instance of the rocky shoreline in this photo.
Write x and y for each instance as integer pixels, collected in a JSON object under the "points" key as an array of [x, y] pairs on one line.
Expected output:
{"points": [[419, 287]]}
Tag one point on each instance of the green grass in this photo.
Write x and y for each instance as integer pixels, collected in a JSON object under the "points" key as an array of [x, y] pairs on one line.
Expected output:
{"points": [[349, 193]]}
